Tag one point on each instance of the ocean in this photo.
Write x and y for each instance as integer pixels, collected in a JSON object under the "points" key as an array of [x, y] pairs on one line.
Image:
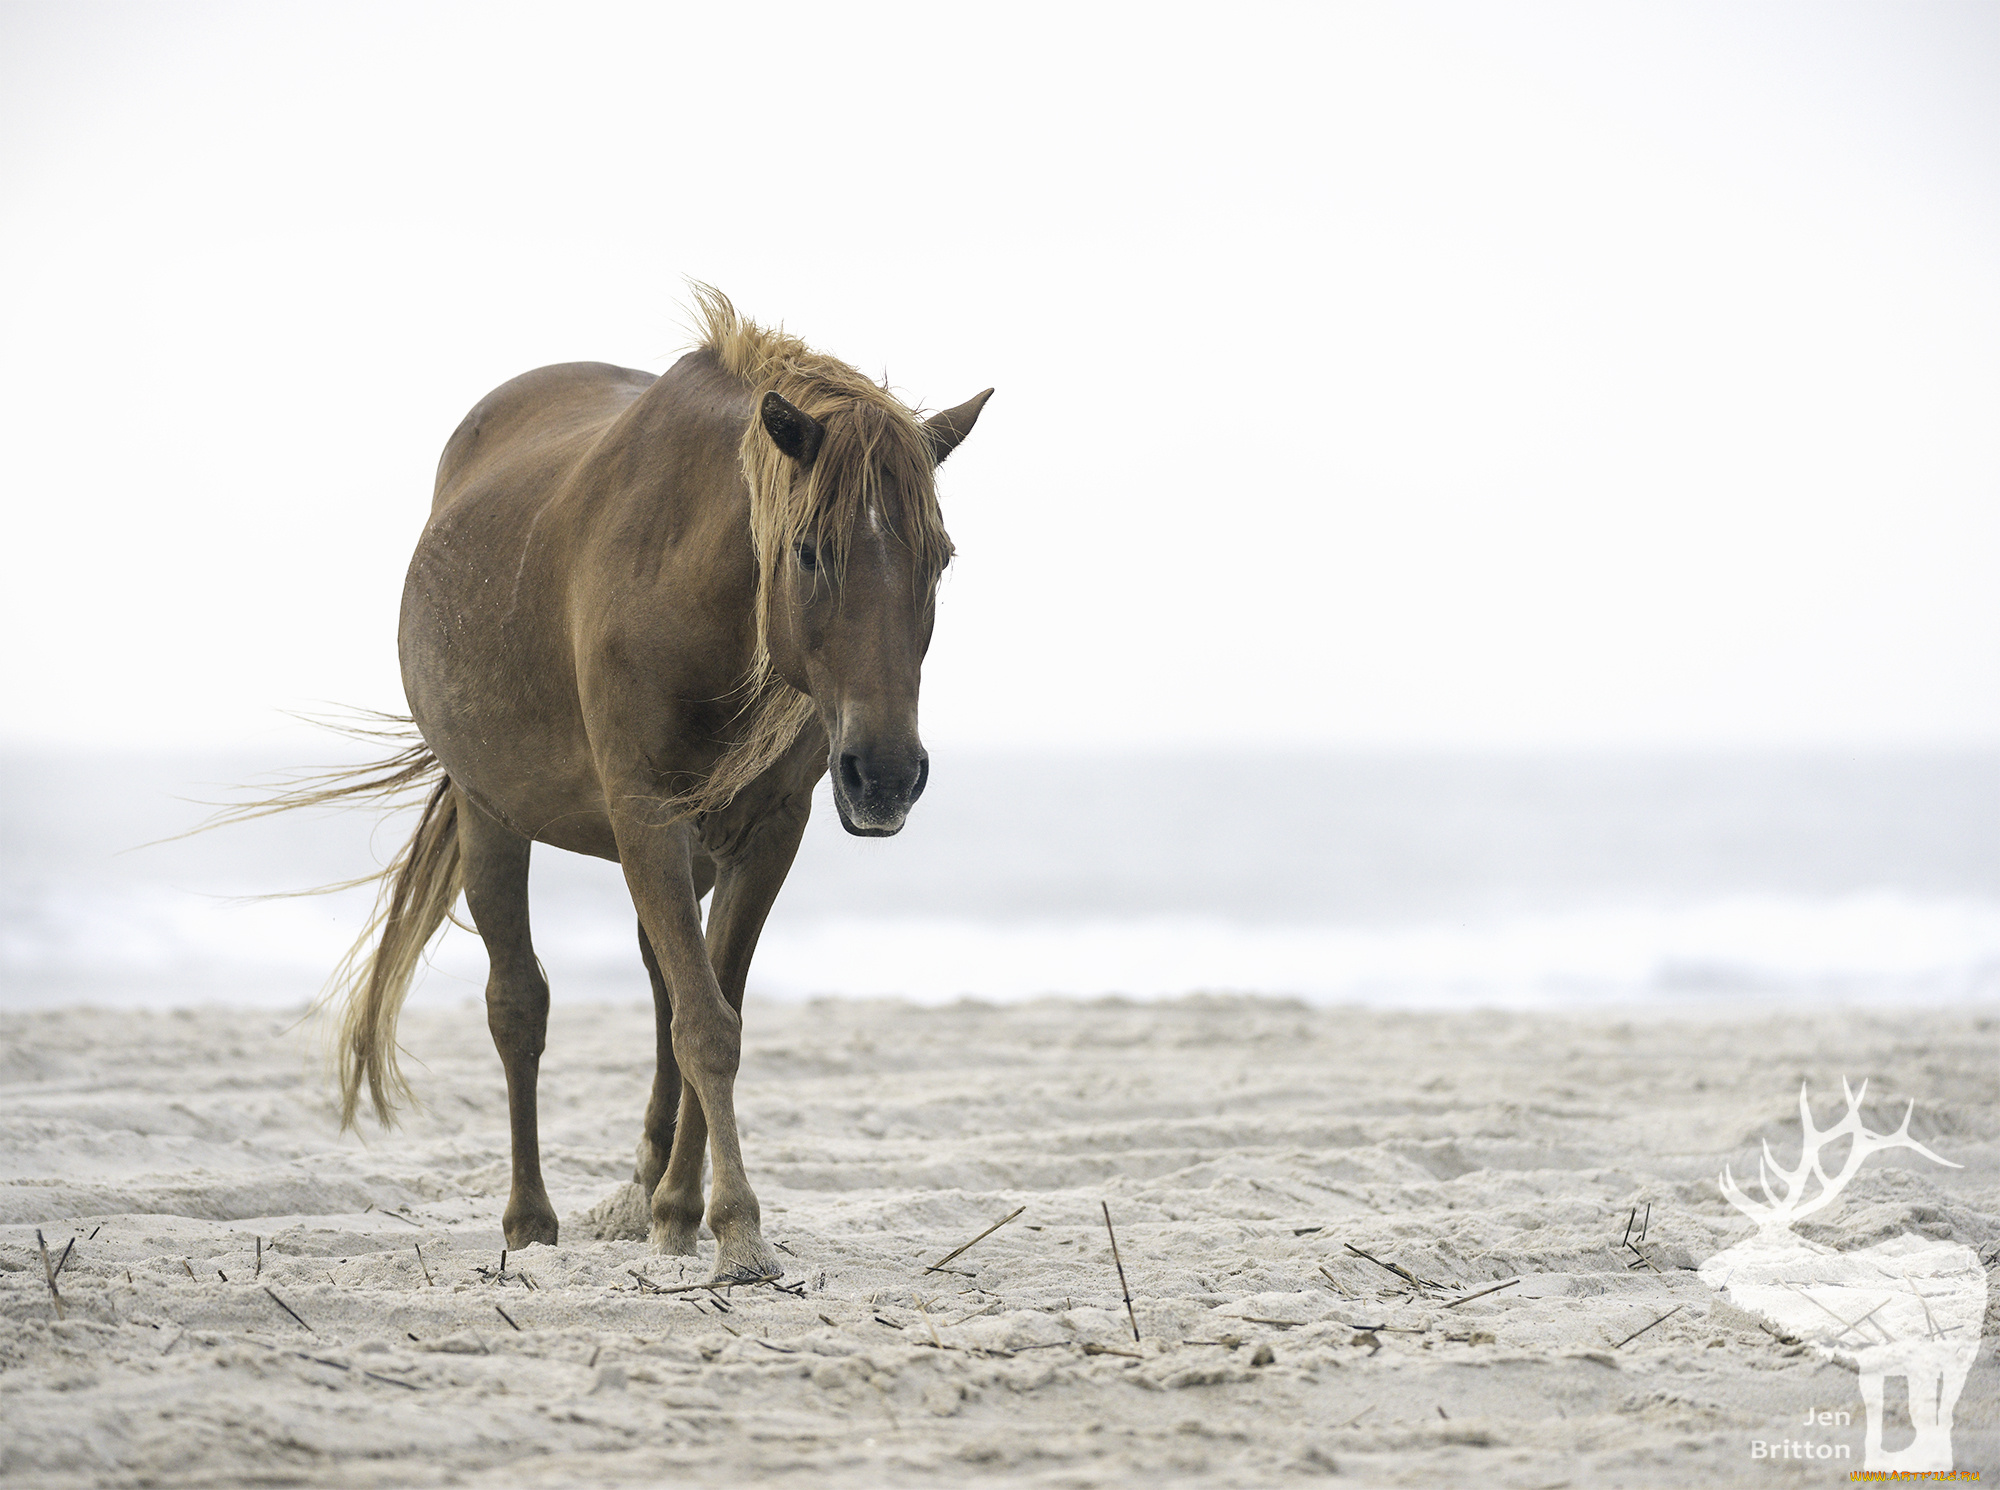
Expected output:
{"points": [[1407, 880]]}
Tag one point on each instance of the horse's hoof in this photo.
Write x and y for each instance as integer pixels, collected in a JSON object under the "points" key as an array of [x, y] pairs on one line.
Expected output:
{"points": [[525, 1231], [674, 1241], [740, 1263]]}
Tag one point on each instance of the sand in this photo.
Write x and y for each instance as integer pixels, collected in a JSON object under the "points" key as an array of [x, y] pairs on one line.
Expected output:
{"points": [[1246, 1149]]}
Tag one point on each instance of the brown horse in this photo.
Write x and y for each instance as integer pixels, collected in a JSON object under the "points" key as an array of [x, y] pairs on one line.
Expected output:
{"points": [[645, 616]]}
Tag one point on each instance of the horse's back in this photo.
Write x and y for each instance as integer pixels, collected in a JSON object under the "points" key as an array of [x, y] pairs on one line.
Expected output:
{"points": [[536, 418]]}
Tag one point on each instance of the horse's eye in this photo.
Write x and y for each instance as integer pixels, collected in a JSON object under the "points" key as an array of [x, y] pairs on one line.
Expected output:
{"points": [[808, 557]]}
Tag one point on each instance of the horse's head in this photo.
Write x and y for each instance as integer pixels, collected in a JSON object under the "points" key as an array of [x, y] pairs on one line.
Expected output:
{"points": [[850, 566]]}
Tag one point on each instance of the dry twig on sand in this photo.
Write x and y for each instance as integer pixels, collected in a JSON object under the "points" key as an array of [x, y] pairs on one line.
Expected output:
{"points": [[1119, 1263], [1845, 1326], [1631, 1243], [289, 1310], [336, 1365], [938, 1266], [1645, 1327], [717, 1288], [49, 1275], [502, 1276], [1930, 1320], [1482, 1293], [506, 1316], [1401, 1272], [1338, 1287]]}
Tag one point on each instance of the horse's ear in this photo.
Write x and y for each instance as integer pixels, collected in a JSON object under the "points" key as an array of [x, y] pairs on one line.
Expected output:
{"points": [[791, 428], [949, 429]]}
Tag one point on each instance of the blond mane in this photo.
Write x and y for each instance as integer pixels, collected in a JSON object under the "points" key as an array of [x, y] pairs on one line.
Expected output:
{"points": [[873, 457]]}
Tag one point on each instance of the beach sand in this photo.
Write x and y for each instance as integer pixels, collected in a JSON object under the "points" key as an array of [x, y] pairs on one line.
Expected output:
{"points": [[1248, 1150]]}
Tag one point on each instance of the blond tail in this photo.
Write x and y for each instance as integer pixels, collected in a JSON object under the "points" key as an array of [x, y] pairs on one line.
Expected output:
{"points": [[419, 888]]}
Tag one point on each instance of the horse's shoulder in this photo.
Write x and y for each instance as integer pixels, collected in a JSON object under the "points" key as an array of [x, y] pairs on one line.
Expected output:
{"points": [[551, 403]]}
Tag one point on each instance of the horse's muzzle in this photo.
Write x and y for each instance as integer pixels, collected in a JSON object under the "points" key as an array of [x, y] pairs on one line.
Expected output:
{"points": [[874, 789]]}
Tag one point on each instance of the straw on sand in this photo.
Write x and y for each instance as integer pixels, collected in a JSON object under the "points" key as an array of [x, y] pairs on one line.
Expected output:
{"points": [[1482, 1293], [961, 1251], [290, 1310], [1119, 1263], [1645, 1327], [49, 1274]]}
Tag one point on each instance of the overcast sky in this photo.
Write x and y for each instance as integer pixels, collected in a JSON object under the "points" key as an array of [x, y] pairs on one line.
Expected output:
{"points": [[1368, 374]]}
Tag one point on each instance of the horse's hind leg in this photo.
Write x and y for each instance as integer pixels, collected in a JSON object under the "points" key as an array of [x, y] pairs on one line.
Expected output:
{"points": [[495, 865]]}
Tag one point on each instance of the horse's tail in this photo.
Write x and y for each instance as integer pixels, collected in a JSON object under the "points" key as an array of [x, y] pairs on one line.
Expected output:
{"points": [[419, 887], [416, 892]]}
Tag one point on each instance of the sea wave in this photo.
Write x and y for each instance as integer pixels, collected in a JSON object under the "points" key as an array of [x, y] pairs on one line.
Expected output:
{"points": [[154, 947], [1853, 948]]}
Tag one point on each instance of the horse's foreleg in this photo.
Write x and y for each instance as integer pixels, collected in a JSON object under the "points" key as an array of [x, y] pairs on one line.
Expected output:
{"points": [[746, 885], [495, 861], [745, 888], [676, 1209], [656, 1138], [707, 1037]]}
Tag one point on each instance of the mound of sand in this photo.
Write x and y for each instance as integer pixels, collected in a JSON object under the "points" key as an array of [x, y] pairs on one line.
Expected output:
{"points": [[250, 1298]]}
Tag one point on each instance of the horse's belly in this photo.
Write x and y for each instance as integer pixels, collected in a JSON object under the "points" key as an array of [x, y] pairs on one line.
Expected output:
{"points": [[488, 674]]}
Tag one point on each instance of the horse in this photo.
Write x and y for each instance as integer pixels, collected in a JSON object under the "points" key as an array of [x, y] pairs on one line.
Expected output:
{"points": [[645, 616]]}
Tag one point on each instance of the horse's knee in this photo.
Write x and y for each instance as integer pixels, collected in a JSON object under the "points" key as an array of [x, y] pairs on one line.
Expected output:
{"points": [[707, 1049]]}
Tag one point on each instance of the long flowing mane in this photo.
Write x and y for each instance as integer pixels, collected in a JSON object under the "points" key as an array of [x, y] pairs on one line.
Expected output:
{"points": [[874, 457]]}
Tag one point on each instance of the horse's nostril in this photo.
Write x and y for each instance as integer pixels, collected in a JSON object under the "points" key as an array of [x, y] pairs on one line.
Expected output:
{"points": [[923, 777], [852, 780]]}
